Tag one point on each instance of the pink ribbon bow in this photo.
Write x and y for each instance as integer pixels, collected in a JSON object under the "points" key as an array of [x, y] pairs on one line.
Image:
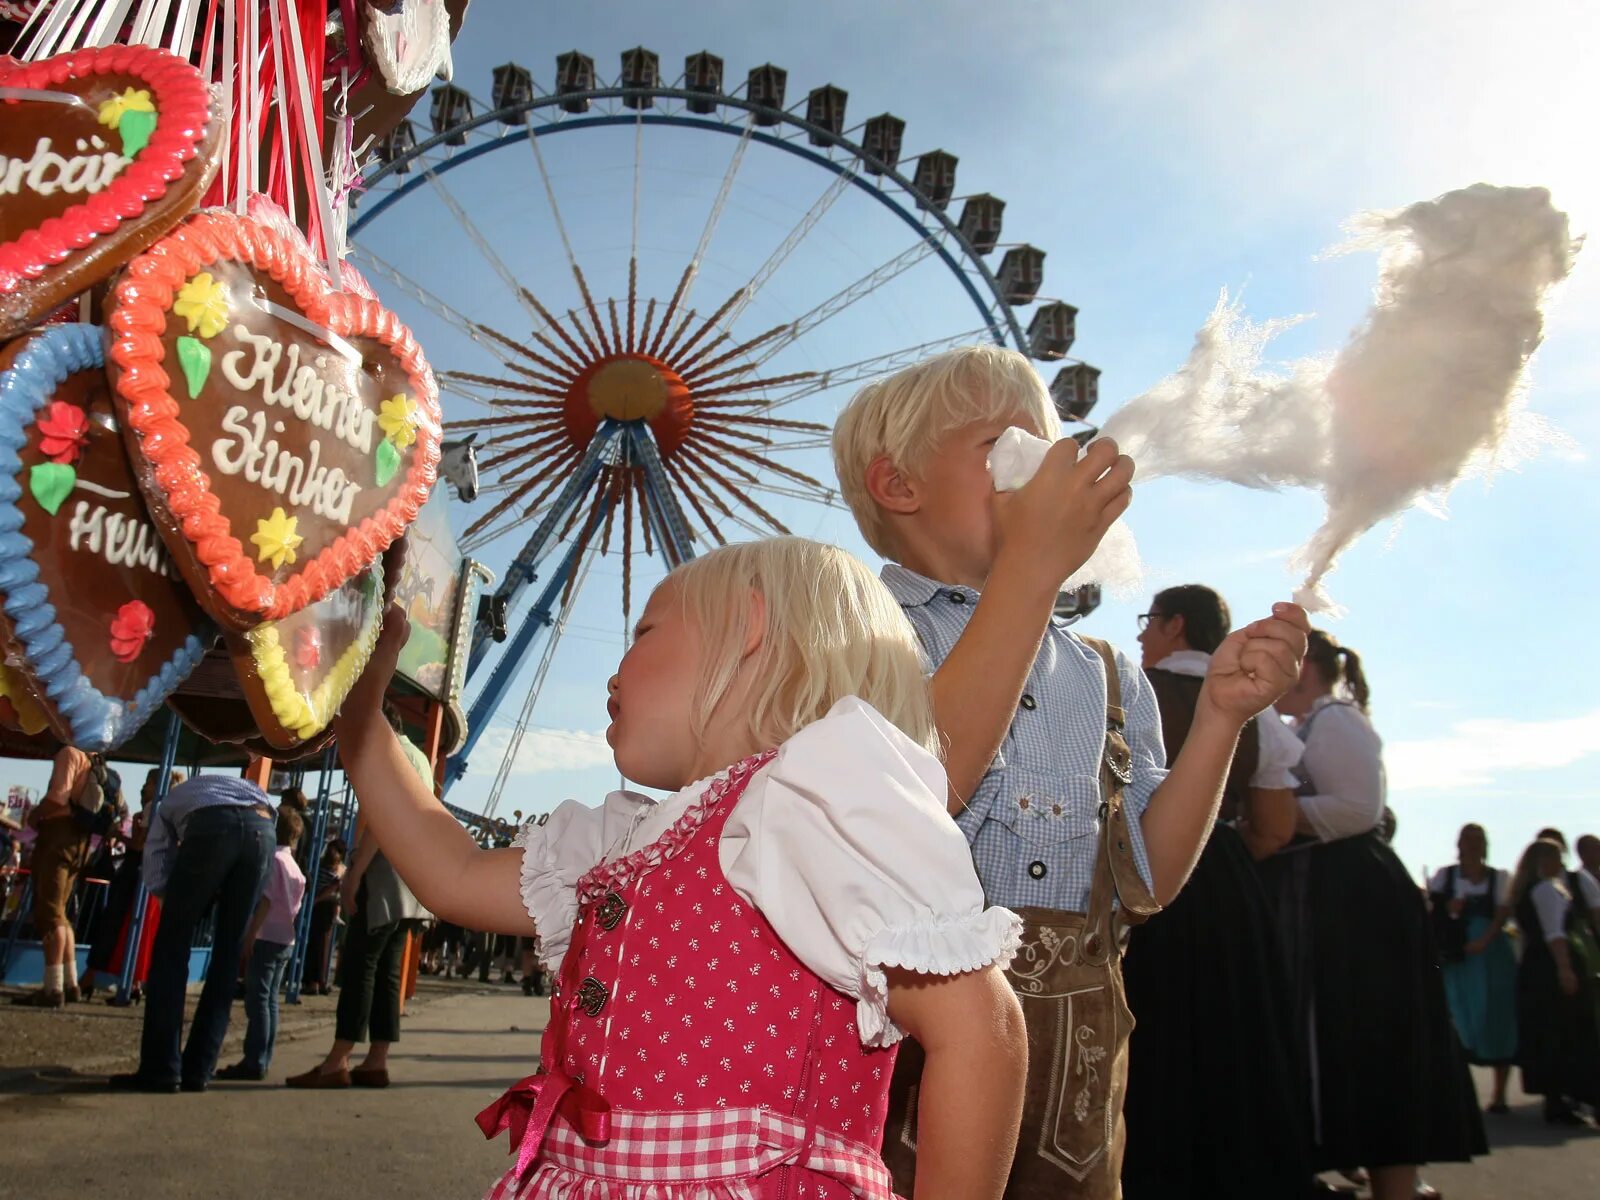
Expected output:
{"points": [[527, 1107]]}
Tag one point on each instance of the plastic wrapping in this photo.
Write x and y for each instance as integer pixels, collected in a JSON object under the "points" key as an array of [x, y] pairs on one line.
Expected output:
{"points": [[296, 672], [284, 433], [101, 152], [95, 626]]}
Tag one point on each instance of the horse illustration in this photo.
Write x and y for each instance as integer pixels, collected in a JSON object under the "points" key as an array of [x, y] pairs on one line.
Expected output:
{"points": [[458, 463]]}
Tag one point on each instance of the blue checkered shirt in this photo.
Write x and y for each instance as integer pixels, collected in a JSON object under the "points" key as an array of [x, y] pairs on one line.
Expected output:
{"points": [[1034, 818]]}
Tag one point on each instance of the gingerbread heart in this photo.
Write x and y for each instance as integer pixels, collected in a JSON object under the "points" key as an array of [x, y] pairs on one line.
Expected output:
{"points": [[284, 433], [95, 618], [296, 672], [101, 152]]}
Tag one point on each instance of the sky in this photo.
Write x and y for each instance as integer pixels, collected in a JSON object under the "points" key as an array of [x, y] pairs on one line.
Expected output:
{"points": [[1158, 152]]}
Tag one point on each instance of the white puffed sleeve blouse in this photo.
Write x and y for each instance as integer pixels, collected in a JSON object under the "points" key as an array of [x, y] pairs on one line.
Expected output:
{"points": [[842, 841]]}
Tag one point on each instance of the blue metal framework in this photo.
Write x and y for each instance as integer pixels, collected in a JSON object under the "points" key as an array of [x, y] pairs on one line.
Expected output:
{"points": [[671, 529], [319, 834], [130, 952]]}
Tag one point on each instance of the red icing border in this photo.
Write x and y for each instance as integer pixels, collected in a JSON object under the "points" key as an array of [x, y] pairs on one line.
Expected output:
{"points": [[140, 308], [184, 103]]}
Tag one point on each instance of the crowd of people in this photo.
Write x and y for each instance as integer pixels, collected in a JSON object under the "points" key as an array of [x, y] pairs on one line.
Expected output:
{"points": [[222, 865], [875, 935], [1521, 954]]}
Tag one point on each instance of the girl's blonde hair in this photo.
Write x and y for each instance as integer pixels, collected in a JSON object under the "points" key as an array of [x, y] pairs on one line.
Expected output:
{"points": [[832, 630], [908, 414]]}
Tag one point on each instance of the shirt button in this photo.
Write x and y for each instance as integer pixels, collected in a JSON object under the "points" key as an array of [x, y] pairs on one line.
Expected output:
{"points": [[958, 597], [1036, 869], [1028, 702]]}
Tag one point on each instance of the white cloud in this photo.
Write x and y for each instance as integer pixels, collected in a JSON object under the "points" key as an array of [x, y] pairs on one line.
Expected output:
{"points": [[1475, 752], [1391, 102], [542, 749]]}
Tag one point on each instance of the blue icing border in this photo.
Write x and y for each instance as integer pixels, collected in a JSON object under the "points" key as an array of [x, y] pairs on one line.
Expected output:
{"points": [[97, 721]]}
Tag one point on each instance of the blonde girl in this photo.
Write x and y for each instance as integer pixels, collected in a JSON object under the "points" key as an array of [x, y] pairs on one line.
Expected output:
{"points": [[737, 962]]}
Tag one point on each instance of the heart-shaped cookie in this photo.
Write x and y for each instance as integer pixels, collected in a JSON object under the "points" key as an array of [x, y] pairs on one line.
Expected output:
{"points": [[94, 617], [295, 673], [284, 433], [101, 152]]}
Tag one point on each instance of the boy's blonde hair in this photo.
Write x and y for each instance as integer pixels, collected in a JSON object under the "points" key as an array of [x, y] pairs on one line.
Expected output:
{"points": [[832, 630], [908, 414]]}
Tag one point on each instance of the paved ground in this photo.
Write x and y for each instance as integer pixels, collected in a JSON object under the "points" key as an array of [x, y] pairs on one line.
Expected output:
{"points": [[63, 1135]]}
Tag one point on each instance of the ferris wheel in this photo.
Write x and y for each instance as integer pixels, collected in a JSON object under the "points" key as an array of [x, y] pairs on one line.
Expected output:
{"points": [[635, 397]]}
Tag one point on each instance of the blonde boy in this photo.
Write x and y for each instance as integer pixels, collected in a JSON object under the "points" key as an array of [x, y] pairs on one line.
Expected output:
{"points": [[1052, 741]]}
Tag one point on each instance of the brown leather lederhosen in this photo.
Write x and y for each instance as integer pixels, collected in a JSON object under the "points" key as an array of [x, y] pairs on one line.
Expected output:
{"points": [[1068, 976]]}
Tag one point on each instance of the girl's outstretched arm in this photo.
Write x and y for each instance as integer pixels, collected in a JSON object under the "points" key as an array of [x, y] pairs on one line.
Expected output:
{"points": [[970, 1102], [437, 858]]}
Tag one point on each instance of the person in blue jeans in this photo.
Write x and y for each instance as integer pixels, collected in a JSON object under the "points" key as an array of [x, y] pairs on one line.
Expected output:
{"points": [[267, 947], [210, 842]]}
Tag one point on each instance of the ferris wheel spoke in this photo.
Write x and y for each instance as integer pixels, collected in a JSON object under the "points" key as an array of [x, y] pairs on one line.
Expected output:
{"points": [[672, 308], [566, 241], [511, 385], [529, 352], [428, 300], [845, 297], [692, 367], [485, 250], [871, 368], [673, 350], [698, 459], [577, 323], [709, 443], [546, 477], [778, 257], [465, 393], [751, 385], [596, 509], [614, 489], [697, 487], [627, 557], [644, 329], [778, 423], [589, 307], [633, 241], [827, 499], [714, 217], [693, 498], [471, 540], [616, 329], [572, 364], [642, 502], [509, 451], [482, 424]]}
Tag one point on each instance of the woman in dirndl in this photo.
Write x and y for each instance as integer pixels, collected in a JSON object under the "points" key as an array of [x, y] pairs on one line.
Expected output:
{"points": [[1480, 967], [1389, 1084], [1558, 1042], [1213, 1105]]}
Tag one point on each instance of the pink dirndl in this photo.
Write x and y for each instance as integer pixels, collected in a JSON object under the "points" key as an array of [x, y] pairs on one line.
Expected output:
{"points": [[689, 1053]]}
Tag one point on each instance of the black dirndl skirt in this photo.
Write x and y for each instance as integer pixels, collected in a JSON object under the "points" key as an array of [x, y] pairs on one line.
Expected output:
{"points": [[1213, 1106], [1388, 1079]]}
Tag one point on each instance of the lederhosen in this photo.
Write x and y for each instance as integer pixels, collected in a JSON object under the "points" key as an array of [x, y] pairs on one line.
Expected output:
{"points": [[1068, 976]]}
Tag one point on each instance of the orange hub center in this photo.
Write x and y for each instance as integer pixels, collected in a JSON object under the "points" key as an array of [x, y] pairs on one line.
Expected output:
{"points": [[630, 387]]}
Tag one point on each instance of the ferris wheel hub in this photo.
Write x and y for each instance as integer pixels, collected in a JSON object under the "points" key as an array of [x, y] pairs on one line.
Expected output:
{"points": [[630, 386]]}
